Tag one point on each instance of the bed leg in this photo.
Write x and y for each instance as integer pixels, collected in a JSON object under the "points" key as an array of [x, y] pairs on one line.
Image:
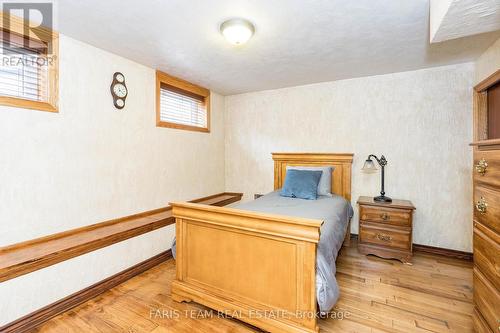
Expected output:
{"points": [[180, 298]]}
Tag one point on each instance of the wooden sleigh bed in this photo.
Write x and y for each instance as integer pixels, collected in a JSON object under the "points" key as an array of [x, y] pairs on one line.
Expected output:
{"points": [[256, 267]]}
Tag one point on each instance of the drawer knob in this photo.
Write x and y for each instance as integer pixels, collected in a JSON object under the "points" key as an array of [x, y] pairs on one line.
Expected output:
{"points": [[481, 167], [385, 238], [482, 206], [385, 216]]}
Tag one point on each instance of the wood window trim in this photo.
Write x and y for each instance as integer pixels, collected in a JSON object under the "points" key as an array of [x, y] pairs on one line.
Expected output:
{"points": [[480, 102], [49, 37], [163, 78]]}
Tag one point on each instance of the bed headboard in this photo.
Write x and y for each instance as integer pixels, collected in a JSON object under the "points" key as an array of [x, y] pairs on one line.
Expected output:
{"points": [[341, 177]]}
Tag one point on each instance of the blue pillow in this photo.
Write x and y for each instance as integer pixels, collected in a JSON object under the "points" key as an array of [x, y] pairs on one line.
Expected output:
{"points": [[301, 184]]}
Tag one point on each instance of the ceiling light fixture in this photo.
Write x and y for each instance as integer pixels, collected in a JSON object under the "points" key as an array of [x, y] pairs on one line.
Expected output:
{"points": [[237, 31]]}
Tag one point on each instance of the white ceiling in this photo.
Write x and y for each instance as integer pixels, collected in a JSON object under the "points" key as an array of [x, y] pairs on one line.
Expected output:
{"points": [[452, 19], [296, 41]]}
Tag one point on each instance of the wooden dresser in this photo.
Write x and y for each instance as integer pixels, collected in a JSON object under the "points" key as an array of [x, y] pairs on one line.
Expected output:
{"points": [[486, 182], [385, 229]]}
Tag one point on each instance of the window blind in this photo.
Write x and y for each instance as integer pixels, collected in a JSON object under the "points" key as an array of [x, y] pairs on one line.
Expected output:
{"points": [[23, 70], [181, 107]]}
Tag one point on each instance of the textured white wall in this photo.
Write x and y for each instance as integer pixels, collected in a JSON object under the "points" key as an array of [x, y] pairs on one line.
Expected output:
{"points": [[420, 120], [488, 63], [90, 163]]}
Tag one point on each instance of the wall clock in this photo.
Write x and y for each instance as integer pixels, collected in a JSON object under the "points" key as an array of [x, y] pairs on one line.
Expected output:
{"points": [[119, 90]]}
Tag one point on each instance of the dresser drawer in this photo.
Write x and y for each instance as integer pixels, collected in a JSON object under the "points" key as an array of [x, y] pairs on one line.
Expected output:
{"points": [[491, 173], [487, 300], [487, 253], [480, 325], [491, 216], [397, 239], [386, 215]]}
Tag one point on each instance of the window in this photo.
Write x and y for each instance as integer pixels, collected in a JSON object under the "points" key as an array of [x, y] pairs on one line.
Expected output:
{"points": [[181, 105], [28, 67]]}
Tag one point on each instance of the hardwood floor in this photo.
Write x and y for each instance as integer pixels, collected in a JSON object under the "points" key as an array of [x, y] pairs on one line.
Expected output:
{"points": [[377, 295]]}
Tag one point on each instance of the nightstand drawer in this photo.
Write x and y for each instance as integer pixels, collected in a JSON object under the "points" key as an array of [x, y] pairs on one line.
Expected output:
{"points": [[386, 215], [397, 239]]}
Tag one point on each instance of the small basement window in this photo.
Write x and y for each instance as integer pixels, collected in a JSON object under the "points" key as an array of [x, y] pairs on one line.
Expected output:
{"points": [[181, 105], [28, 67]]}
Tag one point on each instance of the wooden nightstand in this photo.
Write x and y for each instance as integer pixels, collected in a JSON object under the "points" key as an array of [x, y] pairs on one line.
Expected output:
{"points": [[385, 229]]}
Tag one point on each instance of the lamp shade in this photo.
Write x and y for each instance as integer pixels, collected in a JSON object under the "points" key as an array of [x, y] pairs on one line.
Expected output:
{"points": [[369, 166]]}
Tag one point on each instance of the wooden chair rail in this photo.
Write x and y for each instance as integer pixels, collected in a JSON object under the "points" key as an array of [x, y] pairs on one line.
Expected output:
{"points": [[25, 257]]}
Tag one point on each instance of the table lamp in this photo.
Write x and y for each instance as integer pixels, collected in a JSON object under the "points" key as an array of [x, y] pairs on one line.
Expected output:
{"points": [[369, 167]]}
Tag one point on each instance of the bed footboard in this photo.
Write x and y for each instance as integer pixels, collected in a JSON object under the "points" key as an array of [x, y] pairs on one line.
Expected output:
{"points": [[259, 268]]}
